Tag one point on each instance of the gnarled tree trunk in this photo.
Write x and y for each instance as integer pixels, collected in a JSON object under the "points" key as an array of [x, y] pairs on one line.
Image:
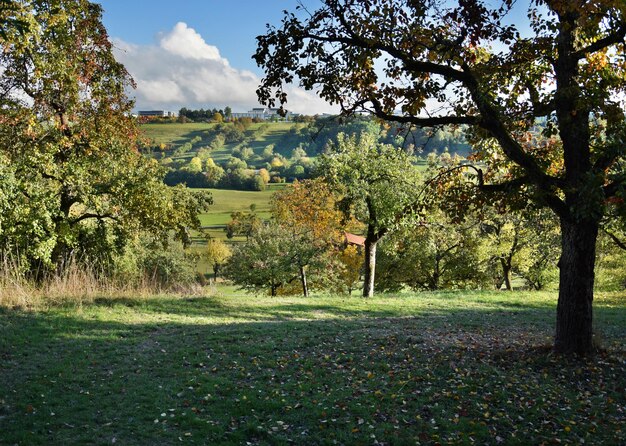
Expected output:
{"points": [[574, 321]]}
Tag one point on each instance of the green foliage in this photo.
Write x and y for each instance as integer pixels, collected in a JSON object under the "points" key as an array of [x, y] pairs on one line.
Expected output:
{"points": [[217, 254], [379, 187], [434, 255], [145, 261], [67, 144], [262, 263], [377, 181], [242, 223], [195, 165], [611, 265]]}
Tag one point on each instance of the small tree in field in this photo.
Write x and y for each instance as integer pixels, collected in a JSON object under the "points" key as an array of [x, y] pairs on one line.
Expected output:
{"points": [[308, 215], [397, 57], [378, 184], [261, 263], [217, 254]]}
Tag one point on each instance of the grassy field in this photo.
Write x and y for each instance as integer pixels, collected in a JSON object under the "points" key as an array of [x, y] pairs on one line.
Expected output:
{"points": [[174, 133], [448, 368], [226, 202]]}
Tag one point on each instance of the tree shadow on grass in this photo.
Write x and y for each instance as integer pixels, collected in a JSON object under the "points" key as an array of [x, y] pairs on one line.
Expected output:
{"points": [[90, 377]]}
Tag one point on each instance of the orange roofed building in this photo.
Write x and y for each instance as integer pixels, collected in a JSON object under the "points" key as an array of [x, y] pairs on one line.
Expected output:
{"points": [[353, 239]]}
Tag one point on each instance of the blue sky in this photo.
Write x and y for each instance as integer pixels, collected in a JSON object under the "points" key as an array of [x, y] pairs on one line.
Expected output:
{"points": [[231, 26], [197, 53]]}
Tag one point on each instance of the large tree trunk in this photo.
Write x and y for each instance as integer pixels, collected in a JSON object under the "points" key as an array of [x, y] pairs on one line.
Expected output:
{"points": [[370, 267], [574, 321]]}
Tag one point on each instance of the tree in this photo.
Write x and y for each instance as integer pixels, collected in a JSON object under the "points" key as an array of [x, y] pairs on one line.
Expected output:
{"points": [[213, 172], [217, 117], [217, 254], [352, 262], [242, 223], [567, 72], [520, 242], [67, 133], [194, 165], [434, 255], [307, 212], [261, 263], [264, 175], [378, 183]]}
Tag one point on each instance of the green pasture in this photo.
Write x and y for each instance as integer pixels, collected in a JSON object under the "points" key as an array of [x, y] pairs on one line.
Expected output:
{"points": [[174, 133], [226, 202], [233, 369]]}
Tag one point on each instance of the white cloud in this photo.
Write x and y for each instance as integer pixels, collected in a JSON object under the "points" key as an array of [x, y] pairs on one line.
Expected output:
{"points": [[182, 70], [187, 43]]}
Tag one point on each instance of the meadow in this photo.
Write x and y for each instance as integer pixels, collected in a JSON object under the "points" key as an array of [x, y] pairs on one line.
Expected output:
{"points": [[175, 135], [225, 202], [427, 368]]}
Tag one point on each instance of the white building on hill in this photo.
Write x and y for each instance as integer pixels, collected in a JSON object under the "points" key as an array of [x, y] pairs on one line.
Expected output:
{"points": [[263, 113], [156, 113]]}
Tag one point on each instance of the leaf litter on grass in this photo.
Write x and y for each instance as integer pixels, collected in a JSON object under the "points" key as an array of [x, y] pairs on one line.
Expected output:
{"points": [[473, 378]]}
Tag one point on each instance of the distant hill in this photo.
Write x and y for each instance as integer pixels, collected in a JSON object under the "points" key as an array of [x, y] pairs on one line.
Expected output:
{"points": [[247, 155]]}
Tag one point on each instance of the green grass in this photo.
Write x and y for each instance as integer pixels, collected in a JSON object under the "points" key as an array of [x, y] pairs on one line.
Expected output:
{"points": [[227, 201], [447, 368], [174, 133]]}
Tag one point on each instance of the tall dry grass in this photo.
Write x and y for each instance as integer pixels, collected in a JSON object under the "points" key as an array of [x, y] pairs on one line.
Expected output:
{"points": [[77, 284]]}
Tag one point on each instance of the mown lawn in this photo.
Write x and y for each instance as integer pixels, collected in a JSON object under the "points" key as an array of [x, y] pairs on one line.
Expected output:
{"points": [[447, 368]]}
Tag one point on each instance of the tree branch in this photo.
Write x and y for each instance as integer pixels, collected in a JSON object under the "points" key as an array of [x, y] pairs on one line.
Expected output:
{"points": [[617, 36], [413, 65], [615, 239], [421, 121], [539, 108], [92, 215]]}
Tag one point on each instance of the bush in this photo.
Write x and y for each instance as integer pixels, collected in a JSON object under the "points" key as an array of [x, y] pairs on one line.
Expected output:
{"points": [[168, 267]]}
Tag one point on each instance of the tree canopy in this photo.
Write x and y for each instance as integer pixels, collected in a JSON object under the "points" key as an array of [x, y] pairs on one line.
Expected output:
{"points": [[379, 185], [430, 63], [72, 174]]}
